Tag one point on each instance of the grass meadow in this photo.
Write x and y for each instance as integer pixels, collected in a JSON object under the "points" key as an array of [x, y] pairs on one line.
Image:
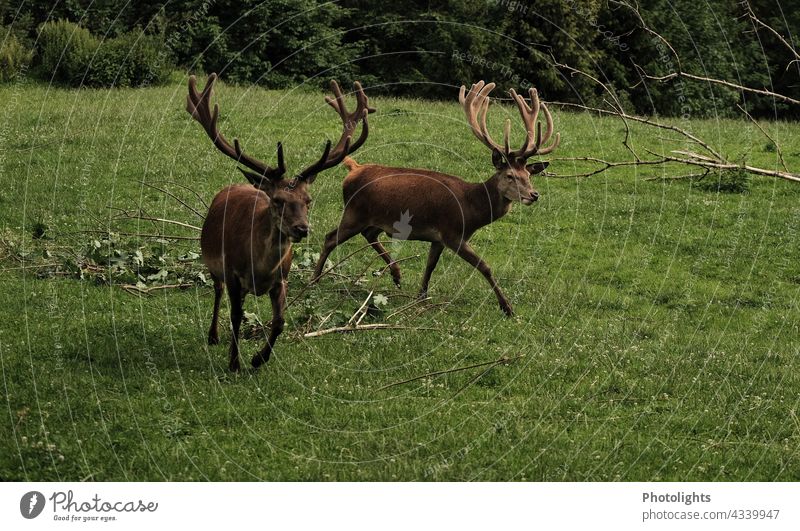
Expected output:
{"points": [[658, 318]]}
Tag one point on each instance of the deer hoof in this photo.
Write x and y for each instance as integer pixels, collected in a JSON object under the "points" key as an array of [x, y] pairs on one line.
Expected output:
{"points": [[259, 359], [213, 339], [507, 309], [234, 366]]}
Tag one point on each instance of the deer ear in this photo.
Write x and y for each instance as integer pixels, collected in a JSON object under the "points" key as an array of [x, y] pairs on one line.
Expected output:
{"points": [[537, 167], [264, 184], [498, 159]]}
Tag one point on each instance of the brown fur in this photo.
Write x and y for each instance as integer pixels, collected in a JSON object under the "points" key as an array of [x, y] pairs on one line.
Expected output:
{"points": [[247, 234], [247, 246], [445, 210]]}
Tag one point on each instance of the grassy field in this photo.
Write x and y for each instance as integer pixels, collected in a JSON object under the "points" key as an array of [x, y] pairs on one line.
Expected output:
{"points": [[658, 319]]}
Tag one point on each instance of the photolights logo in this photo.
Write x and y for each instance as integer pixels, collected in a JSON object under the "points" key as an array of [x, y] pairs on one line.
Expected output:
{"points": [[31, 504]]}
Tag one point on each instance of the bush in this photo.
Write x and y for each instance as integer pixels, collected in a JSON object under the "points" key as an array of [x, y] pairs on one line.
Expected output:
{"points": [[130, 60], [71, 55], [65, 50], [14, 57]]}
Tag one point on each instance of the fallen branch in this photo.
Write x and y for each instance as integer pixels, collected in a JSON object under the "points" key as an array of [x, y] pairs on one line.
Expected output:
{"points": [[606, 165], [324, 273], [407, 306], [175, 197], [140, 235], [197, 195], [504, 360], [127, 215], [138, 290], [674, 75], [645, 121], [764, 132], [375, 326], [359, 311], [757, 22]]}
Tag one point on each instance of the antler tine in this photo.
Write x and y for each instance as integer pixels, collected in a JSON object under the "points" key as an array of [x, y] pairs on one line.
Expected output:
{"points": [[476, 107], [198, 105], [529, 115], [506, 135], [362, 108], [534, 139], [332, 157], [548, 133], [338, 102]]}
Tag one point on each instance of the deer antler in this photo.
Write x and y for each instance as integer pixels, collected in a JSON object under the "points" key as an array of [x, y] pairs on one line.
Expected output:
{"points": [[534, 139], [332, 157], [199, 106], [476, 107]]}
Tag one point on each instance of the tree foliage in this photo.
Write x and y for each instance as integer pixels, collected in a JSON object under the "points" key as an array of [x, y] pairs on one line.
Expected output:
{"points": [[427, 47]]}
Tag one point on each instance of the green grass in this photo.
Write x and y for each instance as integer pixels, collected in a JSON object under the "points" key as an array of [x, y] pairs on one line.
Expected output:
{"points": [[659, 319]]}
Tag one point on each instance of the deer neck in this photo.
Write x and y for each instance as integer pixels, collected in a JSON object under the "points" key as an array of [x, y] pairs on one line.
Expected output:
{"points": [[275, 246], [489, 203]]}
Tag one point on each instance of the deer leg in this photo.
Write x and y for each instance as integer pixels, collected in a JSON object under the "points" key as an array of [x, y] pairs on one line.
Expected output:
{"points": [[236, 297], [433, 259], [372, 237], [339, 235], [464, 250], [219, 287], [277, 296]]}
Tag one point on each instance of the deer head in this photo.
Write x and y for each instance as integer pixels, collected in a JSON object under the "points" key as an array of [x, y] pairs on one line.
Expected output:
{"points": [[289, 198], [513, 173]]}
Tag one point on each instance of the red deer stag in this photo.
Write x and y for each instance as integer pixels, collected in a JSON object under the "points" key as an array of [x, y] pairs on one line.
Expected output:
{"points": [[439, 208], [247, 235]]}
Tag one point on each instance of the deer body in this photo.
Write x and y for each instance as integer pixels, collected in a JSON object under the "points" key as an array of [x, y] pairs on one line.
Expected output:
{"points": [[442, 207], [439, 208], [257, 255], [247, 236], [245, 250]]}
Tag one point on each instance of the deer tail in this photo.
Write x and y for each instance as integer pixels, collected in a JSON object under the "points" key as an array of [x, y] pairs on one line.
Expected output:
{"points": [[350, 164]]}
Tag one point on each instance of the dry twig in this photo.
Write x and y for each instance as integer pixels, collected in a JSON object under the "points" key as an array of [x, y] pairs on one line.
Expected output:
{"points": [[504, 360]]}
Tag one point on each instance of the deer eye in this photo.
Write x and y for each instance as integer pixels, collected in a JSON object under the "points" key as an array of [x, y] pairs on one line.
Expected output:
{"points": [[510, 177], [278, 203]]}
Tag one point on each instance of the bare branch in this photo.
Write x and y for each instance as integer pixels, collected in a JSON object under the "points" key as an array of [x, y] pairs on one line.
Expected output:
{"points": [[757, 22], [175, 197], [764, 132], [737, 86], [374, 326], [503, 360], [647, 121]]}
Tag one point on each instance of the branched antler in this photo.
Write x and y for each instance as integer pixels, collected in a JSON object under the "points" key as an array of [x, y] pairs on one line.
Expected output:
{"points": [[332, 157], [199, 106], [476, 106]]}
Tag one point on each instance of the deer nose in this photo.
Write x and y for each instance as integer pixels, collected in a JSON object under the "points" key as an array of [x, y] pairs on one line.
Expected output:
{"points": [[301, 230], [534, 196]]}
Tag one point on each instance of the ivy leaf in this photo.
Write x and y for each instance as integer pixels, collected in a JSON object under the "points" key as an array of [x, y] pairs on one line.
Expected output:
{"points": [[380, 300], [161, 275]]}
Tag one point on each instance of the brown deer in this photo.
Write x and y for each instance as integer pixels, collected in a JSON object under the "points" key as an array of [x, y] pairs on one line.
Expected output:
{"points": [[247, 236], [439, 208]]}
